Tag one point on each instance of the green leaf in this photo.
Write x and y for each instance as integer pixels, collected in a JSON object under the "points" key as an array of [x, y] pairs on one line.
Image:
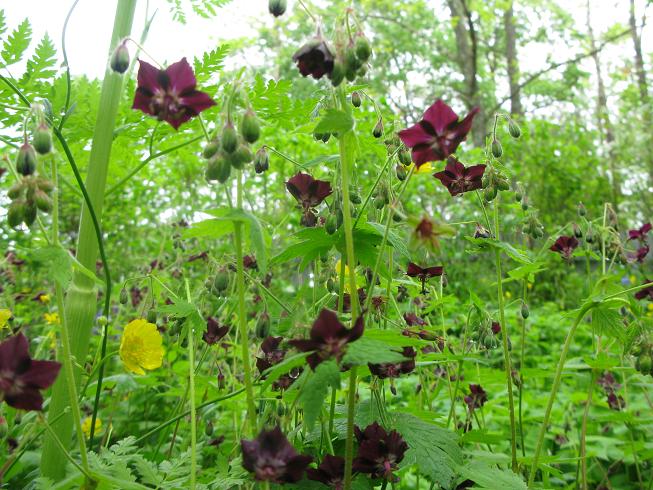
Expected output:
{"points": [[321, 159], [608, 321], [179, 309], [314, 242], [365, 350], [211, 62], [40, 65], [257, 241], [16, 44], [314, 391], [278, 370], [335, 121], [57, 261], [491, 478], [432, 448], [394, 240], [520, 256]]}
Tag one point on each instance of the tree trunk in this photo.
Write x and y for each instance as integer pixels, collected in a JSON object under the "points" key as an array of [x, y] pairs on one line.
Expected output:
{"points": [[603, 117], [512, 63], [639, 59], [467, 59]]}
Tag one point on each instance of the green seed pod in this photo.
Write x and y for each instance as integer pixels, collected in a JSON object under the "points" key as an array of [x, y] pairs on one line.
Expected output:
{"points": [[124, 296], [211, 149], [229, 138], [43, 201], [524, 204], [538, 232], [240, 157], [221, 281], [377, 132], [396, 217], [120, 58], [513, 129], [42, 139], [26, 160], [212, 170], [644, 364], [362, 71], [263, 325], [224, 169], [15, 213], [589, 236], [363, 48], [356, 99], [330, 284], [525, 313], [490, 193], [208, 428], [331, 224], [401, 172], [581, 209], [339, 218], [261, 160], [352, 64], [518, 195], [489, 342], [326, 137], [151, 316], [485, 180], [497, 150], [15, 190], [404, 156], [277, 7], [354, 197], [29, 216], [249, 127], [502, 183], [338, 73], [578, 233]]}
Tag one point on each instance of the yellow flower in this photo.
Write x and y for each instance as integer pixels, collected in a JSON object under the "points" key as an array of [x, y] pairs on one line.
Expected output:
{"points": [[338, 268], [650, 307], [632, 279], [5, 316], [508, 294], [44, 298], [425, 168], [52, 318], [141, 346], [529, 285], [86, 426]]}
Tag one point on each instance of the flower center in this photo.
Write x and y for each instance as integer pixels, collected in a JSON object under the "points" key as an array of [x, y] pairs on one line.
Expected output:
{"points": [[167, 105]]}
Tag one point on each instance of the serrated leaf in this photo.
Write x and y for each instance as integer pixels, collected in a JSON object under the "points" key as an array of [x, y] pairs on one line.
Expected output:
{"points": [[365, 350], [608, 321], [16, 44], [520, 256], [335, 121], [491, 478], [314, 391], [314, 241], [40, 65]]}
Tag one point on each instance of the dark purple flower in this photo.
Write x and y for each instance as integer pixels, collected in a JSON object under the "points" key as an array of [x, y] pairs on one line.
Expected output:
{"points": [[249, 262], [21, 377], [314, 58], [608, 382], [496, 328], [616, 402], [395, 369], [331, 472], [565, 246], [274, 354], [639, 233], [169, 94], [272, 458], [428, 233], [214, 331], [459, 179], [328, 338], [646, 292], [476, 398], [423, 273], [379, 452], [412, 320], [346, 300], [438, 134], [640, 254], [136, 296], [309, 193]]}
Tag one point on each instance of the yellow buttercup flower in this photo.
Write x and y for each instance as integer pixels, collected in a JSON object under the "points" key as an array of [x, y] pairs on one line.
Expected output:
{"points": [[425, 168], [338, 268], [141, 346], [5, 316], [52, 318], [650, 307], [508, 294], [44, 298], [86, 426]]}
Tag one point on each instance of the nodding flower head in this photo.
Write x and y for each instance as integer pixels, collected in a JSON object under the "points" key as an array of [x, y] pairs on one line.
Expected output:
{"points": [[459, 179], [565, 246], [309, 193], [379, 451], [423, 273], [331, 472], [214, 331], [395, 369], [314, 58], [476, 398]]}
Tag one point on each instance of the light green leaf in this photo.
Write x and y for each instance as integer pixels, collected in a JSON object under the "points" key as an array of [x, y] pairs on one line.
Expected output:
{"points": [[314, 391], [365, 350], [57, 261], [492, 478], [335, 121]]}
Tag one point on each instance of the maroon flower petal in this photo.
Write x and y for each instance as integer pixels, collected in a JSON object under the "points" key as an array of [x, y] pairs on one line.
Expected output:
{"points": [[422, 154], [440, 116], [27, 399], [148, 77], [414, 270], [415, 135], [196, 101], [41, 374], [14, 353], [327, 326], [181, 76]]}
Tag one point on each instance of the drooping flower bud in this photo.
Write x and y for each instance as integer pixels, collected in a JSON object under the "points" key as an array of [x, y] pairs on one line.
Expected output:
{"points": [[331, 224], [124, 296], [581, 209], [26, 160], [513, 129], [221, 281], [120, 58], [15, 213], [497, 150], [363, 48], [211, 149], [277, 7], [42, 139], [377, 132], [525, 313], [404, 156], [241, 156], [15, 190], [229, 138], [338, 73], [356, 100], [261, 160], [263, 325], [401, 172], [578, 233], [249, 127], [151, 316], [352, 63], [489, 193], [29, 213], [43, 201], [223, 169]]}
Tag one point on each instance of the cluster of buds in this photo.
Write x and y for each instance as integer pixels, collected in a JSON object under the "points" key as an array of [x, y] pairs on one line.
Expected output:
{"points": [[231, 148], [533, 227], [514, 131], [381, 196], [492, 182], [487, 334], [643, 352], [28, 196]]}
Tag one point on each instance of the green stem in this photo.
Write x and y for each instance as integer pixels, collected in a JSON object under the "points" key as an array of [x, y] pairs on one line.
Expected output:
{"points": [[81, 297], [191, 385], [242, 311], [554, 391], [504, 338]]}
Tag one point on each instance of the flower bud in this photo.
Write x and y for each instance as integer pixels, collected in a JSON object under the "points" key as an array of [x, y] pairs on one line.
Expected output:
{"points": [[331, 224], [525, 313], [229, 138], [578, 233], [497, 150], [589, 236], [379, 202], [356, 100], [581, 209], [43, 201], [240, 157], [208, 428], [644, 364], [102, 320], [502, 183], [124, 296], [29, 213], [513, 129], [401, 172], [405, 157], [352, 63], [490, 193], [326, 137], [15, 213], [211, 149], [317, 136], [120, 58], [15, 190], [151, 316], [377, 132], [221, 281], [222, 170], [363, 48], [45, 185], [42, 139], [524, 203], [26, 160], [277, 7], [263, 325], [261, 160], [338, 73], [249, 127]]}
